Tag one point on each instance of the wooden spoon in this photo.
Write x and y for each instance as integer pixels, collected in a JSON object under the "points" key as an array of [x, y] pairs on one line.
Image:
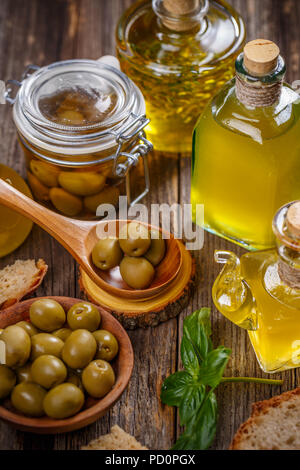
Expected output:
{"points": [[79, 237]]}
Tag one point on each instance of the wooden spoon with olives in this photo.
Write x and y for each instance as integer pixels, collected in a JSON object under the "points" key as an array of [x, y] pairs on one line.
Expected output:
{"points": [[79, 237]]}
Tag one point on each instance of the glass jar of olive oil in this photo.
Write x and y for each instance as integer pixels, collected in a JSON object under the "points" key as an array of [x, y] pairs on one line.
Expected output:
{"points": [[179, 53], [80, 124]]}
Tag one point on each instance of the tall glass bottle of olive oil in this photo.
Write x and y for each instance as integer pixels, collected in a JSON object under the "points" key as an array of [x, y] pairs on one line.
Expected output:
{"points": [[246, 150], [179, 53]]}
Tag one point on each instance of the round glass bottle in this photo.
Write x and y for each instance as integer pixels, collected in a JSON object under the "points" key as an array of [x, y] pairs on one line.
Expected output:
{"points": [[80, 124], [179, 53]]}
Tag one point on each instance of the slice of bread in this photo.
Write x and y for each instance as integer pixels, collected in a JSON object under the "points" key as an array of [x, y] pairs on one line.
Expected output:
{"points": [[116, 440], [19, 280], [274, 425]]}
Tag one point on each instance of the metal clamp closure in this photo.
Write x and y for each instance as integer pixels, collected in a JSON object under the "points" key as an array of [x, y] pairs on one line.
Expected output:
{"points": [[11, 85]]}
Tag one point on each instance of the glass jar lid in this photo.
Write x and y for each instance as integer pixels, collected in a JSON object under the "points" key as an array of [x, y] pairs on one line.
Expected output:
{"points": [[77, 106]]}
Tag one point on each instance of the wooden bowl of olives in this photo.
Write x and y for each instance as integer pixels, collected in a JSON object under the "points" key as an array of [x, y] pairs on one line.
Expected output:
{"points": [[67, 362], [139, 261]]}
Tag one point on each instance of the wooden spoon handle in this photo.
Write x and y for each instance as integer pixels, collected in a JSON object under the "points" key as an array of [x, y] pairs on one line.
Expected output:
{"points": [[65, 230]]}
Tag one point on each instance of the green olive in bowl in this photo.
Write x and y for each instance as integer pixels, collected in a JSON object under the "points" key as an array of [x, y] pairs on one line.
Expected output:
{"points": [[79, 349], [44, 343], [28, 398], [62, 333], [98, 378], [63, 401], [47, 314], [157, 248], [48, 371], [107, 345], [17, 346], [28, 327], [24, 373], [84, 316]]}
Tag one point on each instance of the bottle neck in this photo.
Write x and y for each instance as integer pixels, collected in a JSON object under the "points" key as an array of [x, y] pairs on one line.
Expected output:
{"points": [[259, 91], [181, 15]]}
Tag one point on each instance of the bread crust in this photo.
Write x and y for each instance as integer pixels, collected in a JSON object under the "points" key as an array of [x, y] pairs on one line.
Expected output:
{"points": [[260, 408]]}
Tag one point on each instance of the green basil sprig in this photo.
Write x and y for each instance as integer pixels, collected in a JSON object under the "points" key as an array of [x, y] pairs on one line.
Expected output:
{"points": [[192, 389]]}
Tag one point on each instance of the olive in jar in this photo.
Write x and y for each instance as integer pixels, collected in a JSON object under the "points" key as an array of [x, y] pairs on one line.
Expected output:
{"points": [[63, 401], [82, 183], [98, 378], [107, 345], [47, 314], [108, 195], [83, 315], [64, 202], [45, 173]]}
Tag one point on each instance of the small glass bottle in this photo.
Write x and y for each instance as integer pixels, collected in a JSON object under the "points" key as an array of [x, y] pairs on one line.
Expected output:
{"points": [[261, 292], [179, 53], [246, 154]]}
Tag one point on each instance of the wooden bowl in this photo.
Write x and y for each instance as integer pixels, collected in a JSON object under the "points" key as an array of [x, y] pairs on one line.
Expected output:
{"points": [[165, 272], [93, 408]]}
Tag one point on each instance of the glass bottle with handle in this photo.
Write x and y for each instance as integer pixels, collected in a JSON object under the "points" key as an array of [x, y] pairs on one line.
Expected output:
{"points": [[261, 293]]}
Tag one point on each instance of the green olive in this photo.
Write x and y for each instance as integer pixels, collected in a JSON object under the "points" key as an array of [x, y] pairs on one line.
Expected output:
{"points": [[107, 345], [17, 346], [44, 343], [1, 331], [108, 195], [45, 173], [7, 381], [48, 371], [39, 190], [62, 333], [138, 273], [84, 316], [24, 373], [30, 329], [107, 253], [82, 183], [98, 378], [157, 248], [28, 398], [63, 401], [65, 202], [79, 349], [47, 314], [70, 117], [134, 239]]}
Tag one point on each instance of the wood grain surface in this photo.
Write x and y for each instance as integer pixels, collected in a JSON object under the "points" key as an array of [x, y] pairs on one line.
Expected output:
{"points": [[40, 32]]}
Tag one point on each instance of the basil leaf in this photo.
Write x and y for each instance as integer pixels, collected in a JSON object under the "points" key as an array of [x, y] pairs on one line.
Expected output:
{"points": [[212, 368], [188, 356], [200, 432], [174, 388], [197, 329], [191, 402]]}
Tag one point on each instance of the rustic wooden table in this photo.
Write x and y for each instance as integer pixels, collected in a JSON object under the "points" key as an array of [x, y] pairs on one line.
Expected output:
{"points": [[40, 32]]}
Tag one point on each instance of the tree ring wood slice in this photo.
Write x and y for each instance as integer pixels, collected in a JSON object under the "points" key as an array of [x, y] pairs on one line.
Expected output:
{"points": [[142, 313]]}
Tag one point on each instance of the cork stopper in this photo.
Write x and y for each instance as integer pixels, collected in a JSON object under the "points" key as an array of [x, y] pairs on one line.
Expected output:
{"points": [[293, 220], [260, 57], [180, 8]]}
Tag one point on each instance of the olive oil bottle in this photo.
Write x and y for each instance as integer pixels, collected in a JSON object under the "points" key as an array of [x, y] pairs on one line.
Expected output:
{"points": [[261, 292], [246, 150], [179, 53]]}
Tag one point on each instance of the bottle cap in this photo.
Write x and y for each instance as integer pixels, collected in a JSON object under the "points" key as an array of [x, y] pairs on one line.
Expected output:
{"points": [[182, 13], [293, 219], [260, 56]]}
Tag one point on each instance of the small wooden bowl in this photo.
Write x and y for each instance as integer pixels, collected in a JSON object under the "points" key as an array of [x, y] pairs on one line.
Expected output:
{"points": [[165, 272], [93, 408]]}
